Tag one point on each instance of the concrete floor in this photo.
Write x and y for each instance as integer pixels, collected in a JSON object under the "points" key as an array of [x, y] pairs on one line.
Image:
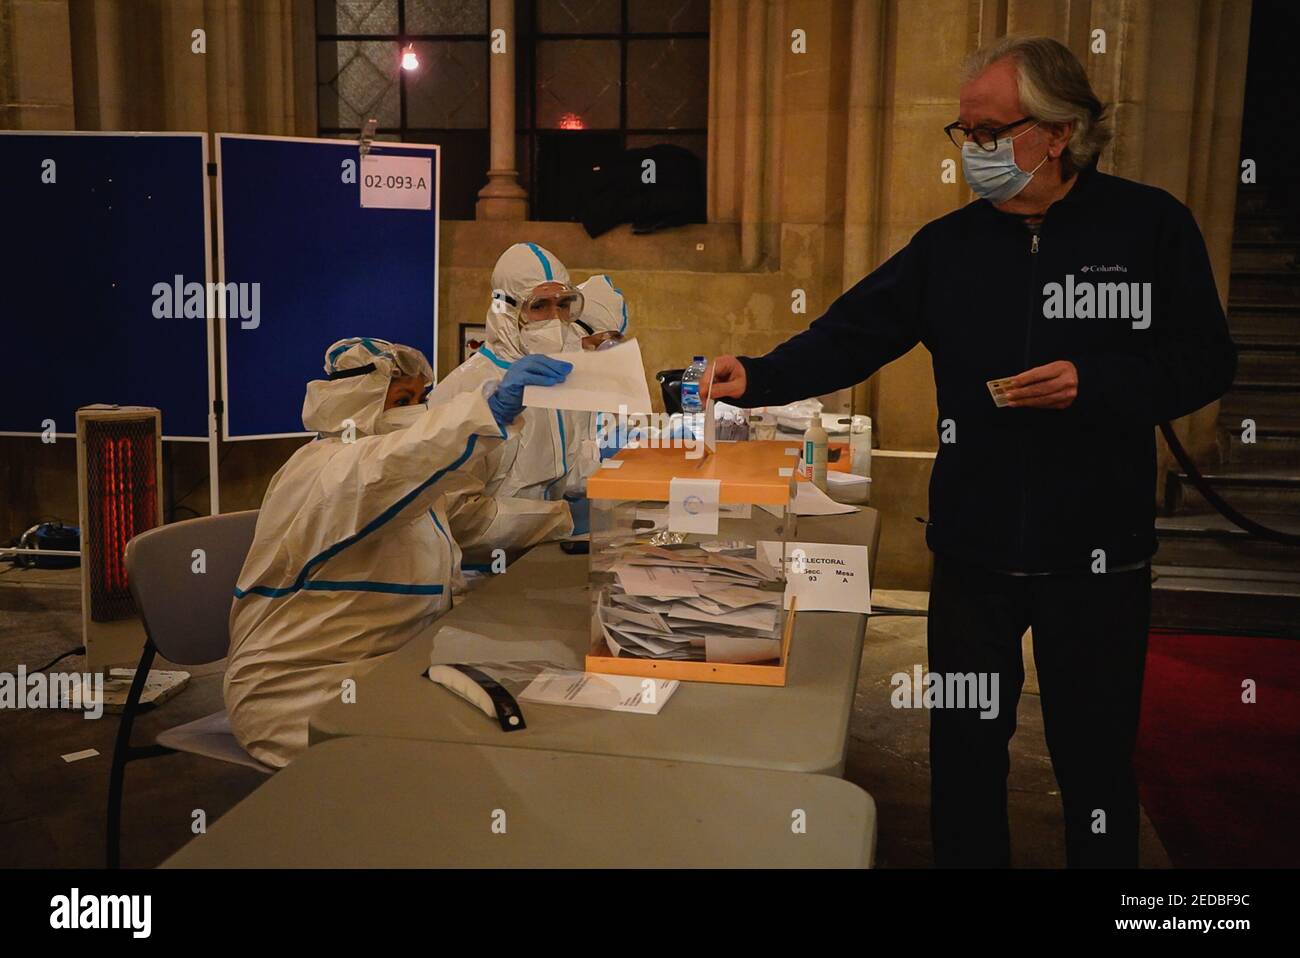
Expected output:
{"points": [[52, 812]]}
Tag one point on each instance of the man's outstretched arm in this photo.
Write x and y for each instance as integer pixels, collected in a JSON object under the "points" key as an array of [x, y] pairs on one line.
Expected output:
{"points": [[873, 323]]}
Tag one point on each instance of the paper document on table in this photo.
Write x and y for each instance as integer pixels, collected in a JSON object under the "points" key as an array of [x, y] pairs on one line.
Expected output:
{"points": [[811, 501], [604, 380], [616, 693]]}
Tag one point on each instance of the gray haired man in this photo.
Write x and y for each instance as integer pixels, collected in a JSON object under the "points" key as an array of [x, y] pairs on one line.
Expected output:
{"points": [[1067, 312]]}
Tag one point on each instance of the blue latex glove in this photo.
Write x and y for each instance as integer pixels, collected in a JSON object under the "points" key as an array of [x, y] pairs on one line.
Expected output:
{"points": [[508, 400], [580, 511]]}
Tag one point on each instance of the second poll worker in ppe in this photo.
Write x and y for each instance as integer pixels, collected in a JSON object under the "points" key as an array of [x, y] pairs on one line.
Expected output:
{"points": [[604, 314], [604, 323], [514, 498], [351, 557]]}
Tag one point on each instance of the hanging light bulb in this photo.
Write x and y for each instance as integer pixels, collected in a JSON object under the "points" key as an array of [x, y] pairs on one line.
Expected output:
{"points": [[409, 60]]}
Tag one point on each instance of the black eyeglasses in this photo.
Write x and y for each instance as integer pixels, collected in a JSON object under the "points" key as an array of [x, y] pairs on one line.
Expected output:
{"points": [[985, 137]]}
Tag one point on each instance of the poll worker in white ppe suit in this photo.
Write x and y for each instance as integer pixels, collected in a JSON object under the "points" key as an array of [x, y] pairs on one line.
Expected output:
{"points": [[603, 323], [604, 314], [351, 558], [514, 498]]}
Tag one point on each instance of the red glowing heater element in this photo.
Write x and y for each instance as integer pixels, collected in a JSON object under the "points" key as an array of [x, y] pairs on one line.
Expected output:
{"points": [[122, 495], [409, 60], [119, 465], [571, 121]]}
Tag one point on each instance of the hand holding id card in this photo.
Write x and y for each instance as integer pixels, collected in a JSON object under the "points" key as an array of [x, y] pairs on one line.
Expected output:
{"points": [[998, 389]]}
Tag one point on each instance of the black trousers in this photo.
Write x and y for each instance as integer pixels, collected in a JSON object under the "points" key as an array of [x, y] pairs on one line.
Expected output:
{"points": [[1090, 639]]}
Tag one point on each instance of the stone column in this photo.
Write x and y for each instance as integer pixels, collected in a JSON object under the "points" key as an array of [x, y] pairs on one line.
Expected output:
{"points": [[751, 207], [502, 198], [36, 82], [862, 160]]}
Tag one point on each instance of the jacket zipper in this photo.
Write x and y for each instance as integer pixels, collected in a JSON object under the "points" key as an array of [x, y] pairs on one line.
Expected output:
{"points": [[1024, 450]]}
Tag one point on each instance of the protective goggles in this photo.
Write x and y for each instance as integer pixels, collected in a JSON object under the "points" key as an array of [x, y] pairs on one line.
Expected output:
{"points": [[551, 301], [601, 340]]}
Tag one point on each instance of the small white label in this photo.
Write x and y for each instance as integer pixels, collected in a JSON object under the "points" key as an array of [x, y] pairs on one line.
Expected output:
{"points": [[78, 756], [396, 182], [825, 577], [612, 464], [792, 450], [693, 505], [786, 472]]}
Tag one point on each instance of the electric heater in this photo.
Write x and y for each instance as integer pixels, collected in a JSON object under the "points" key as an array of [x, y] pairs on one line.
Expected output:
{"points": [[119, 491]]}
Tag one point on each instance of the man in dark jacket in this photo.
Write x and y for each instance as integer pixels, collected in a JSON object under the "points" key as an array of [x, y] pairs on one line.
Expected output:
{"points": [[1094, 296]]}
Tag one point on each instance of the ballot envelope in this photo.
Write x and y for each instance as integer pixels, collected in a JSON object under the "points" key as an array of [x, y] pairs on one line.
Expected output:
{"points": [[689, 556]]}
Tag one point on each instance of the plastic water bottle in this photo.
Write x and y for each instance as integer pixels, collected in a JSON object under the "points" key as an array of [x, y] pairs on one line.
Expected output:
{"points": [[692, 405]]}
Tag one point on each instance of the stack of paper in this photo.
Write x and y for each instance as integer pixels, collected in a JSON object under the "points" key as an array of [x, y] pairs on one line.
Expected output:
{"points": [[618, 693], [714, 603]]}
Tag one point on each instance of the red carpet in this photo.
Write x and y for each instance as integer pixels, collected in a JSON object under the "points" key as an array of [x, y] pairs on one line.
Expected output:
{"points": [[1220, 779]]}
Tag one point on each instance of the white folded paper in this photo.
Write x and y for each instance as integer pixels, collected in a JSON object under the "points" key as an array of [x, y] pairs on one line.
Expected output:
{"points": [[606, 380], [811, 501], [617, 693]]}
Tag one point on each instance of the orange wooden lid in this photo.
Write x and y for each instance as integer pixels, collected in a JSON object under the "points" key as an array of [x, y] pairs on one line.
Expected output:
{"points": [[749, 472]]}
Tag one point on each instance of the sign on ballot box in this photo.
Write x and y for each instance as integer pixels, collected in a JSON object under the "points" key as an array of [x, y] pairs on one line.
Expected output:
{"points": [[824, 577]]}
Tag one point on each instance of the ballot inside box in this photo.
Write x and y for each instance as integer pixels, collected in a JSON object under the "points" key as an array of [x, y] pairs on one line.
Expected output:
{"points": [[688, 563]]}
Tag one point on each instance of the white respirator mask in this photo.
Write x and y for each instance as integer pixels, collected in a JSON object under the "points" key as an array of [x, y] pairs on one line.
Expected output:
{"points": [[544, 337], [399, 417]]}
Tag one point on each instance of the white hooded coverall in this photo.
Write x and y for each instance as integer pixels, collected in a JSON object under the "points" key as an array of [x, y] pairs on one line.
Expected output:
{"points": [[351, 558], [526, 477]]}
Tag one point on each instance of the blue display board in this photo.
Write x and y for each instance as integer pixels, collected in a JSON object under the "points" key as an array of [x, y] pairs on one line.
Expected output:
{"points": [[95, 222], [326, 268]]}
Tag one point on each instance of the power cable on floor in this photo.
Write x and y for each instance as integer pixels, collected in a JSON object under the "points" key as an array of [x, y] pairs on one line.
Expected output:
{"points": [[79, 650]]}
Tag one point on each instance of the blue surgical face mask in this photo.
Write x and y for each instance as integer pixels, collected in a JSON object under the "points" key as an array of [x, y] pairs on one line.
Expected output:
{"points": [[994, 176]]}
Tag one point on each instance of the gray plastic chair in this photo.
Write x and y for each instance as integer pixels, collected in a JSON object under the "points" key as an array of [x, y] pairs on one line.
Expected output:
{"points": [[186, 618]]}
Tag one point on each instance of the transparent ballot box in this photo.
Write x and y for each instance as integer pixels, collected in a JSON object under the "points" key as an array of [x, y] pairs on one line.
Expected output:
{"points": [[688, 560]]}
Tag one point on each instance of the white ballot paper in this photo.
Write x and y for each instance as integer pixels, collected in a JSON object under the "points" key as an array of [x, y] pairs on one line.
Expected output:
{"points": [[606, 380], [824, 577], [616, 693], [710, 427], [811, 501], [648, 580]]}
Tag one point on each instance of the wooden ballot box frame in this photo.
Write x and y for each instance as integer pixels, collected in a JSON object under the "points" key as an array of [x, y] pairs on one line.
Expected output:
{"points": [[749, 473]]}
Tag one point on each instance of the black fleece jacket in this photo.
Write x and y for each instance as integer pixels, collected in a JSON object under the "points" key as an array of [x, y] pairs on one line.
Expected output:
{"points": [[1035, 490]]}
